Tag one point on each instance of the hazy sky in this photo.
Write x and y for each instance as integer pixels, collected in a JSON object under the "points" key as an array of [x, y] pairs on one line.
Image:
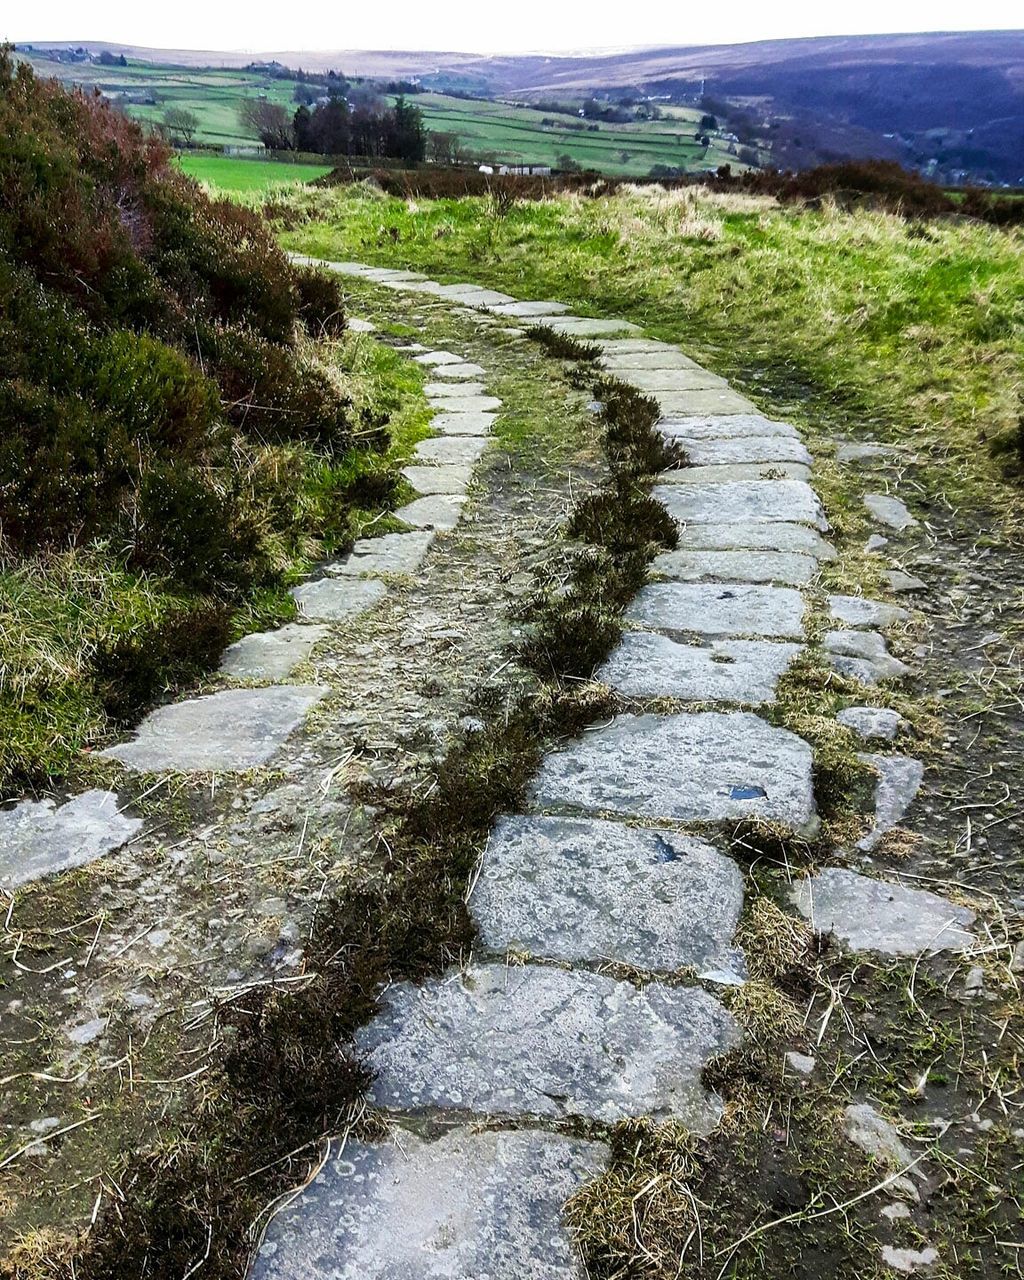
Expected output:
{"points": [[483, 25]]}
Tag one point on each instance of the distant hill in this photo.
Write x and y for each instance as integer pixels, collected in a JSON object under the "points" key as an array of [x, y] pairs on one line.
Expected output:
{"points": [[949, 102]]}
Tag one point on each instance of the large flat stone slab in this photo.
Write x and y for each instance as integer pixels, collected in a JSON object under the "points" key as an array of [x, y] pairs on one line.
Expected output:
{"points": [[527, 310], [662, 357], [337, 599], [390, 553], [756, 535], [472, 295], [496, 1040], [704, 426], [465, 404], [271, 655], [691, 378], [746, 672], [612, 346], [874, 915], [230, 731], [467, 369], [765, 501], [899, 780], [434, 359], [467, 1206], [451, 449], [787, 567], [710, 451], [442, 390], [470, 423], [439, 511], [39, 837], [720, 609], [581, 327], [448, 479], [722, 400], [579, 889], [708, 766], [726, 472]]}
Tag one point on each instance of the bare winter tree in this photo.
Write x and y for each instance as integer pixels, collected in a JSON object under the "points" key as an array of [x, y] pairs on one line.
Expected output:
{"points": [[181, 124], [271, 123]]}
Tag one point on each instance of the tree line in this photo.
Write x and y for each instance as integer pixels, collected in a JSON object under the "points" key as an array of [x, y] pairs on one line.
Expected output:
{"points": [[335, 127]]}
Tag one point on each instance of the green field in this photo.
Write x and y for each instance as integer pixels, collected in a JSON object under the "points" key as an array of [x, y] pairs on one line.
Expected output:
{"points": [[491, 130], [236, 174]]}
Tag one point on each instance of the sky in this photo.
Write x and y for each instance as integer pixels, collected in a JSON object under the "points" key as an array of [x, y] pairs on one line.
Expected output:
{"points": [[483, 26]]}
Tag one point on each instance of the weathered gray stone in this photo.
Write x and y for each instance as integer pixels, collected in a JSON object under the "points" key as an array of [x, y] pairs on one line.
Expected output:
{"points": [[872, 722], [229, 731], [723, 400], [463, 424], [437, 358], [87, 1032], [787, 567], [704, 452], [389, 553], [756, 535], [439, 511], [728, 472], [451, 479], [874, 915], [496, 1040], [899, 780], [719, 609], [706, 426], [857, 611], [337, 599], [864, 656], [40, 837], [900, 582], [464, 370], [579, 889], [465, 404], [662, 358], [580, 327], [355, 325], [858, 452], [889, 511], [447, 390], [875, 543], [743, 501], [391, 275], [271, 655], [877, 1138], [472, 295], [692, 378], [746, 672], [711, 766], [627, 345], [527, 310], [448, 449], [801, 1063], [909, 1260], [464, 1207]]}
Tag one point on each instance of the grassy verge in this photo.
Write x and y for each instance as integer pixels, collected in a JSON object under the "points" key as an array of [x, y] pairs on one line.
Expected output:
{"points": [[235, 175], [867, 321]]}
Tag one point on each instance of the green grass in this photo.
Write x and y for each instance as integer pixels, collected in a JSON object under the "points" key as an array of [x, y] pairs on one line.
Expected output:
{"points": [[234, 174], [858, 321]]}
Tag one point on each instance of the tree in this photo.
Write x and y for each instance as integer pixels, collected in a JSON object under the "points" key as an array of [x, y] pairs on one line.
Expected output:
{"points": [[331, 128], [181, 124], [708, 122], [445, 148], [567, 164], [269, 122], [410, 137]]}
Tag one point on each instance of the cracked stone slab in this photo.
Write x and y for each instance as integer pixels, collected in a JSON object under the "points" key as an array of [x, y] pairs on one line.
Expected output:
{"points": [[874, 915], [720, 609], [437, 358], [271, 655], [41, 837], [337, 599], [899, 780], [872, 722], [463, 1207], [451, 478], [451, 449], [470, 423], [439, 511], [660, 358], [541, 1041], [389, 553], [857, 611], [889, 511], [527, 310], [742, 501], [583, 327], [864, 656], [448, 390], [722, 400], [746, 672], [709, 451], [706, 426], [726, 472], [630, 345], [452, 403], [756, 535], [233, 730], [787, 567], [690, 378], [710, 766], [578, 889], [472, 295]]}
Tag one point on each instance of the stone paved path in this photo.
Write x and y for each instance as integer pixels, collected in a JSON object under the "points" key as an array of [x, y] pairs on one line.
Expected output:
{"points": [[530, 1032]]}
